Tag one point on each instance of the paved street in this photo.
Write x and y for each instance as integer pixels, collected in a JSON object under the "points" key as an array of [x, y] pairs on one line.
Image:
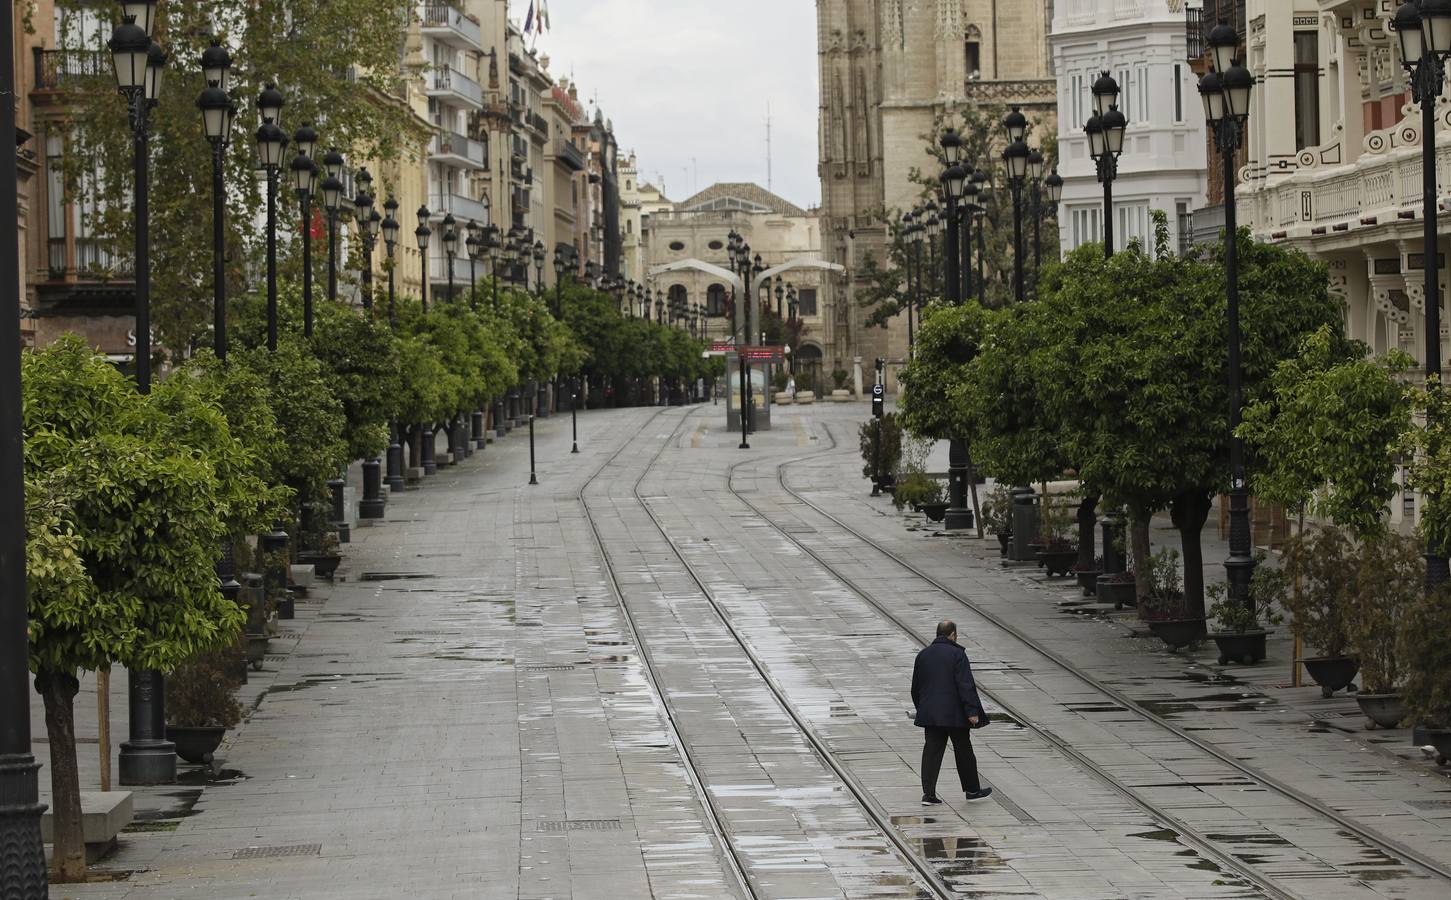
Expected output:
{"points": [[677, 669]]}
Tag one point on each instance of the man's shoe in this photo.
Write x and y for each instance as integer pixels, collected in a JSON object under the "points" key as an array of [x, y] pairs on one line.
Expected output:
{"points": [[930, 800], [980, 794]]}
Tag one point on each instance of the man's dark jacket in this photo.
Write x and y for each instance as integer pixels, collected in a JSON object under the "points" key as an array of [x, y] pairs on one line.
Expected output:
{"points": [[942, 686]]}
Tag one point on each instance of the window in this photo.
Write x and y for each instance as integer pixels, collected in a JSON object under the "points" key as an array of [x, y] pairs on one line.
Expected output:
{"points": [[1307, 89], [1131, 222], [677, 246], [55, 203], [1086, 225], [1185, 220], [1077, 92], [806, 302], [714, 299], [974, 60], [715, 245]]}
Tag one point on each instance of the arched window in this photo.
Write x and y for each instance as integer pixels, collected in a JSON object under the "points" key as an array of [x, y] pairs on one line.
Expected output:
{"points": [[678, 296], [972, 47], [715, 300]]}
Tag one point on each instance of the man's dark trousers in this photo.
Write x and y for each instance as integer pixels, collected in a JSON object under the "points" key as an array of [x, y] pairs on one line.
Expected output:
{"points": [[933, 751]]}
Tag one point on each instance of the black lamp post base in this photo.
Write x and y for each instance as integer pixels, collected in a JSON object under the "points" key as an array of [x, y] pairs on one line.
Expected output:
{"points": [[430, 464], [476, 424], [373, 505], [147, 762], [20, 811], [287, 606], [500, 426], [957, 519]]}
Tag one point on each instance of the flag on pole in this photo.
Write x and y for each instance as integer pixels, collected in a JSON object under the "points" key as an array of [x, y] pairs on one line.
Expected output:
{"points": [[543, 15], [529, 18]]}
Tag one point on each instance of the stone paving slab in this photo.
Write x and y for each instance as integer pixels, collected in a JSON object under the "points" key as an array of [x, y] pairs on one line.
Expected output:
{"points": [[477, 729]]}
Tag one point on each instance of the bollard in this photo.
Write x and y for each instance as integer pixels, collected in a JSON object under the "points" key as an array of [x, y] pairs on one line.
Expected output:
{"points": [[430, 465], [476, 429], [275, 557], [373, 504], [336, 488]]}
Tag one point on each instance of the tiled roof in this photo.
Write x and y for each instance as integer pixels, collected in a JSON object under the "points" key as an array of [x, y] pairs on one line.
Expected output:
{"points": [[746, 191]]}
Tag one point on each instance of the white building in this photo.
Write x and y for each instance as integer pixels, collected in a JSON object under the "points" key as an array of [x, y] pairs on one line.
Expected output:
{"points": [[1142, 43]]}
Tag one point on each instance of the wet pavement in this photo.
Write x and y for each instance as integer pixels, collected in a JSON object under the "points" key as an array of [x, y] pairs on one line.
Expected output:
{"points": [[659, 674]]}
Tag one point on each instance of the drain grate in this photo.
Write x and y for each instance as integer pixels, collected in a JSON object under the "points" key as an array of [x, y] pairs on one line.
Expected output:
{"points": [[274, 852], [275, 657], [430, 631], [549, 668], [580, 825], [393, 576], [1428, 804]]}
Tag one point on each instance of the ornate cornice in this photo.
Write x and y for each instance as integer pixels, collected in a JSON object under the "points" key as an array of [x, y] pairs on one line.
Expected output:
{"points": [[1028, 91]]}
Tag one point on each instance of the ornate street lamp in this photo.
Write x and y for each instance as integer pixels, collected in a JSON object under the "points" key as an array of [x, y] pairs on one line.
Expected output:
{"points": [[561, 264], [367, 230], [1015, 159], [422, 233], [1226, 107], [954, 179], [450, 248], [473, 246], [271, 143], [1105, 130], [137, 60], [495, 248], [304, 177], [332, 200], [539, 267], [217, 116], [1035, 175]]}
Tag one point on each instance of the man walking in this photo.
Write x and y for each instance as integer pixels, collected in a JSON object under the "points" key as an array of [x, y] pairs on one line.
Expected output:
{"points": [[948, 708]]}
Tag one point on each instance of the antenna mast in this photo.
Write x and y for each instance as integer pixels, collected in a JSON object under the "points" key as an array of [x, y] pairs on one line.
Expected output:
{"points": [[768, 145]]}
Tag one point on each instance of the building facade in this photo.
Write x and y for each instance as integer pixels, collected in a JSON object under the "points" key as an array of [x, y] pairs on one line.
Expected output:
{"points": [[889, 71], [1143, 44]]}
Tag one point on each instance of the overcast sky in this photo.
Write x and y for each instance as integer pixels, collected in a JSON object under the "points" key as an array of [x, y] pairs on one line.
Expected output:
{"points": [[687, 82]]}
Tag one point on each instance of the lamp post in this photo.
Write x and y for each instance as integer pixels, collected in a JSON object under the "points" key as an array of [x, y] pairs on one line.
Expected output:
{"points": [[1053, 184], [332, 199], [1015, 158], [450, 248], [913, 234], [271, 142], [304, 176], [560, 265], [147, 757], [1035, 175], [23, 876], [472, 250], [965, 212], [953, 178], [422, 233], [1424, 32], [933, 223], [368, 226], [391, 229], [217, 115], [539, 268], [979, 214], [1226, 107], [1105, 131], [495, 250]]}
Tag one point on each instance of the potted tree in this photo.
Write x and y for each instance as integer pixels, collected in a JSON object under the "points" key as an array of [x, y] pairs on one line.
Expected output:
{"points": [[1164, 608], [1390, 580], [1322, 565], [1059, 552], [1241, 633], [997, 516], [1427, 657], [890, 451], [201, 704]]}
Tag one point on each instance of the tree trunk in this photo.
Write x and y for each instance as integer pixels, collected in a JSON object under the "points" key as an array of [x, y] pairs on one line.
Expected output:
{"points": [[58, 692], [1189, 512], [415, 447], [1139, 543], [1086, 522]]}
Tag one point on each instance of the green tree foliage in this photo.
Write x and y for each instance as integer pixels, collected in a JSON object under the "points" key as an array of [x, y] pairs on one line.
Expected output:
{"points": [[1327, 432], [337, 62], [947, 343], [131, 499]]}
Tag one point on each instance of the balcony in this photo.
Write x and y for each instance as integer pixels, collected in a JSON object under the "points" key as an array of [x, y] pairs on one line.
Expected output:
{"points": [[443, 22], [538, 123], [457, 150], [464, 209], [54, 67], [1378, 189], [1194, 34], [449, 85], [566, 152]]}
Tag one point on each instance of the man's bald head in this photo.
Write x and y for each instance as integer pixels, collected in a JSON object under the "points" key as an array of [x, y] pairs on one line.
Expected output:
{"points": [[946, 628]]}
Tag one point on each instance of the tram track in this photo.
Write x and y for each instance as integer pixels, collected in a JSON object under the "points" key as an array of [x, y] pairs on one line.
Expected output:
{"points": [[934, 884], [1263, 880]]}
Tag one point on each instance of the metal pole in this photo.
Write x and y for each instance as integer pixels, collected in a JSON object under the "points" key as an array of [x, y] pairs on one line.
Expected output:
{"points": [[532, 478], [1239, 568], [912, 254], [332, 255], [1017, 186], [392, 314], [367, 272], [1106, 173], [450, 278], [744, 444], [272, 176], [1431, 84], [307, 265], [574, 412], [147, 757], [219, 286], [981, 254], [424, 254], [23, 876], [1037, 236], [951, 279], [967, 252]]}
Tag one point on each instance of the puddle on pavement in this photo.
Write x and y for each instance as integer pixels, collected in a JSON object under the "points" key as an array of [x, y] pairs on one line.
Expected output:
{"points": [[958, 857], [203, 775]]}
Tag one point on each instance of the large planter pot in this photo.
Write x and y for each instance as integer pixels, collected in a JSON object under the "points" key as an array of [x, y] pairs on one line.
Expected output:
{"points": [[1384, 710], [935, 512], [196, 743], [1332, 673], [1440, 738], [1243, 647], [1178, 633], [1119, 593], [1036, 548], [1058, 562], [323, 564], [1088, 580], [1005, 538]]}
